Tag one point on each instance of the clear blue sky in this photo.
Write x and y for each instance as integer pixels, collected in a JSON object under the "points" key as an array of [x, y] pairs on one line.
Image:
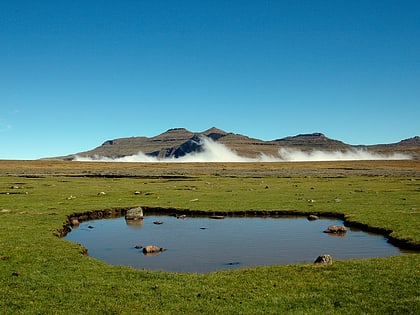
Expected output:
{"points": [[76, 73]]}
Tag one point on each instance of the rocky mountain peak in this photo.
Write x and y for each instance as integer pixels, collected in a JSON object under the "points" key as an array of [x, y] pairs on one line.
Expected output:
{"points": [[177, 142], [410, 141]]}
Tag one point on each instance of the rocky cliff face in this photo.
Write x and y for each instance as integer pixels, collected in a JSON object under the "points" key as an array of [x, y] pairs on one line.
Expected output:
{"points": [[179, 142]]}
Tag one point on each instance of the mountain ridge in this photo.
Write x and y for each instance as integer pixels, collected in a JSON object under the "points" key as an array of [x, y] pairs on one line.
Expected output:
{"points": [[177, 142]]}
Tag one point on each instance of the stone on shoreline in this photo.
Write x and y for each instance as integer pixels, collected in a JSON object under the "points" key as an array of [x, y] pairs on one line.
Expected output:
{"points": [[324, 259], [134, 214], [312, 217]]}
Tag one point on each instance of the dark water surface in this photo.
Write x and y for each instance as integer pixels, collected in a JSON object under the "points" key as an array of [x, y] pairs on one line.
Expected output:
{"points": [[202, 244]]}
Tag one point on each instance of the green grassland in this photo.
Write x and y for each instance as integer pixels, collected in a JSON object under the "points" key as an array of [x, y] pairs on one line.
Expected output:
{"points": [[41, 273]]}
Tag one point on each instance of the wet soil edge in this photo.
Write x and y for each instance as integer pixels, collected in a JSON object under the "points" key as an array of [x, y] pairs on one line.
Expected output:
{"points": [[119, 212]]}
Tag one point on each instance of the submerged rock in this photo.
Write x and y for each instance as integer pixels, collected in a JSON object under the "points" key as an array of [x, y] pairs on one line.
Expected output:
{"points": [[134, 214], [324, 259]]}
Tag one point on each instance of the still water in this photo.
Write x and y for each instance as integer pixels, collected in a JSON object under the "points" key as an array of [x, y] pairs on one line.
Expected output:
{"points": [[202, 244]]}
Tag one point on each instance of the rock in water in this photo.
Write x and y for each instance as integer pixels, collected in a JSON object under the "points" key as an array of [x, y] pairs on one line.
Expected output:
{"points": [[312, 217], [152, 249], [336, 229], [134, 214]]}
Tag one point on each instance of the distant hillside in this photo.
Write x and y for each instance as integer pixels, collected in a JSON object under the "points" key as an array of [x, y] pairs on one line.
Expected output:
{"points": [[179, 142]]}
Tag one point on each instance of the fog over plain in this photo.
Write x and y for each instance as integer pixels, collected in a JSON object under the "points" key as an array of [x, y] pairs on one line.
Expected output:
{"points": [[217, 152]]}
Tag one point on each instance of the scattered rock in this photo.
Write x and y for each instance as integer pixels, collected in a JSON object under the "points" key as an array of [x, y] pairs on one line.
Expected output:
{"points": [[149, 249], [312, 217], [336, 229], [137, 192], [134, 214], [311, 200], [217, 217], [71, 197], [324, 259]]}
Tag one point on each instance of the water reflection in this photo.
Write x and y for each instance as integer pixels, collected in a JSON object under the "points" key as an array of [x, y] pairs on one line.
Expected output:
{"points": [[202, 244], [134, 224]]}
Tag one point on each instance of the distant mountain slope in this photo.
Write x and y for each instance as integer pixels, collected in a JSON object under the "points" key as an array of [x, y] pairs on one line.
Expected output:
{"points": [[313, 141], [178, 142], [409, 146]]}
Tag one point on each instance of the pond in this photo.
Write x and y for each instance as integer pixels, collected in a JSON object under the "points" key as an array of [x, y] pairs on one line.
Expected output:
{"points": [[203, 244]]}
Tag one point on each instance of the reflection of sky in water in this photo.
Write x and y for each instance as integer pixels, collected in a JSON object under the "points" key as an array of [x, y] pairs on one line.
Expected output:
{"points": [[204, 244]]}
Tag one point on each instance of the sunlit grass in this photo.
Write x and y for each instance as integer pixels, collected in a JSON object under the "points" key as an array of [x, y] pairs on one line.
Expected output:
{"points": [[41, 273]]}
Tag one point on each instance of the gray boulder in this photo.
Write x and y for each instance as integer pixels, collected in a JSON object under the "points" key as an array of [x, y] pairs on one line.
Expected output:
{"points": [[134, 214]]}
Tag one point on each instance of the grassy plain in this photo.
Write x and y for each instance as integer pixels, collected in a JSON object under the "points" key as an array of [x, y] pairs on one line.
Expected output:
{"points": [[43, 274]]}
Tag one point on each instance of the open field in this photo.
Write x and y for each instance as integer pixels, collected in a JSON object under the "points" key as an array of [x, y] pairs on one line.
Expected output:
{"points": [[44, 274]]}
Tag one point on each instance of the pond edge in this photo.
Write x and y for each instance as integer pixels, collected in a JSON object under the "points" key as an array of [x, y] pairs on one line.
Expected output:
{"points": [[119, 212]]}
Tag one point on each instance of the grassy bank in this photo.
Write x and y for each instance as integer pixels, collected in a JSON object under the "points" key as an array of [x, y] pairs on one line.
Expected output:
{"points": [[44, 274]]}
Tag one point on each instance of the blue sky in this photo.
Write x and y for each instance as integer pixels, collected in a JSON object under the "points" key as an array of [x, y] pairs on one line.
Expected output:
{"points": [[76, 73]]}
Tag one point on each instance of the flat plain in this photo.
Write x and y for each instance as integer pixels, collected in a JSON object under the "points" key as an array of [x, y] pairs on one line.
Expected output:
{"points": [[43, 274]]}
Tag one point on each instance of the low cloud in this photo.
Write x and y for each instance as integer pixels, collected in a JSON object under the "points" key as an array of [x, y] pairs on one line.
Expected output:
{"points": [[211, 152], [293, 155], [139, 157], [217, 152]]}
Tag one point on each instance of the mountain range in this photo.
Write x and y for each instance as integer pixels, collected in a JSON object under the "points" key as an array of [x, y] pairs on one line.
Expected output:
{"points": [[178, 142]]}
